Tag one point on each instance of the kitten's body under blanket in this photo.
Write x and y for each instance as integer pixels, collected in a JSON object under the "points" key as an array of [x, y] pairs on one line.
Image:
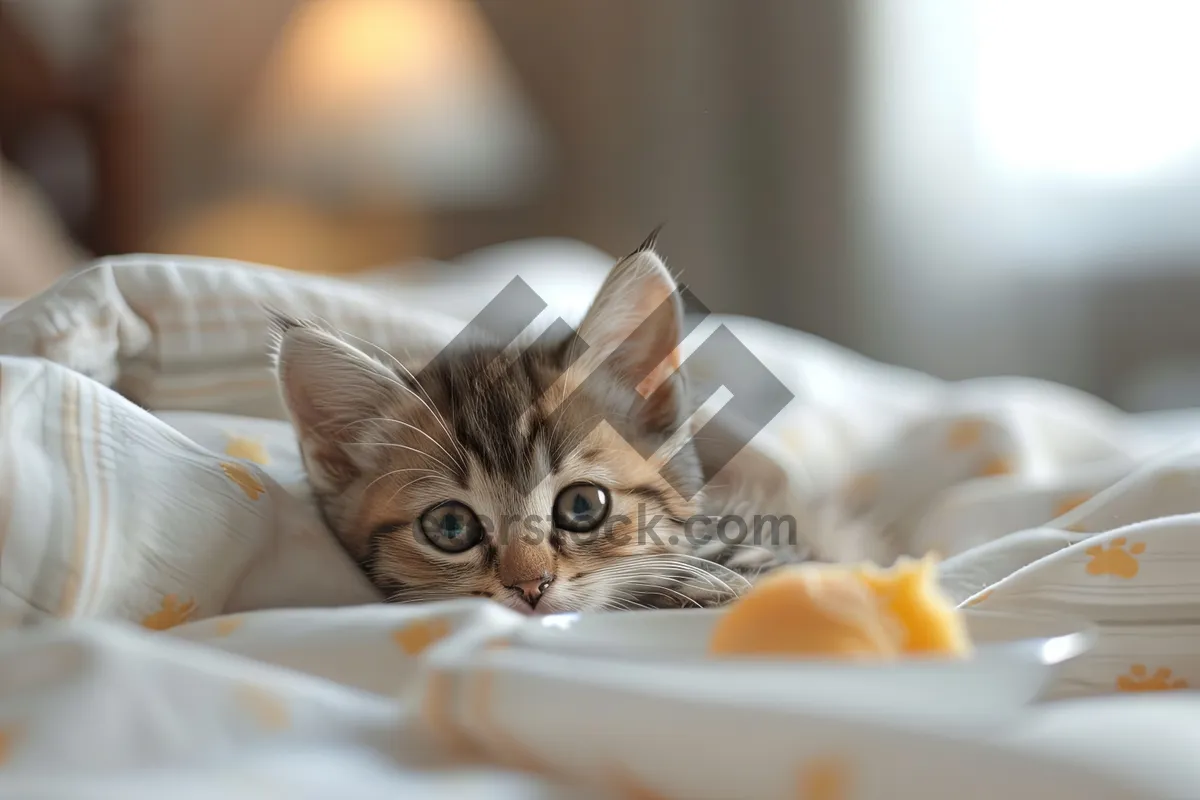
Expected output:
{"points": [[552, 477]]}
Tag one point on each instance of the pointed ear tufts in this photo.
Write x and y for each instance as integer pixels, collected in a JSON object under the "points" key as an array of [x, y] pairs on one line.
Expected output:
{"points": [[650, 243], [330, 388], [279, 325], [633, 331]]}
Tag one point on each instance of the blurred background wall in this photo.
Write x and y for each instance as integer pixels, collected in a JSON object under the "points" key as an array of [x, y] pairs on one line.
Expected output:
{"points": [[972, 188]]}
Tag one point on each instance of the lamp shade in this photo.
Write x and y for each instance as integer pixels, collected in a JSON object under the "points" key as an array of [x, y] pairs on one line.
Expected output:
{"points": [[407, 98]]}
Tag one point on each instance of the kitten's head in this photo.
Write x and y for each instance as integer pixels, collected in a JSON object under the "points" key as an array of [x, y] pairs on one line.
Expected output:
{"points": [[515, 474]]}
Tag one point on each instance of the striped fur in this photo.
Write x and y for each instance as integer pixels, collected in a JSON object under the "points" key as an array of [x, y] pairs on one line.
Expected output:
{"points": [[503, 432]]}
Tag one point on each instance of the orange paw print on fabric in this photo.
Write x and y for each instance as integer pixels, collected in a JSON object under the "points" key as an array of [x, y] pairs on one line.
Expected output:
{"points": [[861, 490], [416, 638], [500, 741], [792, 438], [996, 467], [227, 625], [965, 434], [824, 779], [1115, 560], [244, 478], [247, 449], [629, 788], [170, 614], [1069, 503], [435, 711], [1139, 680], [8, 738], [266, 709]]}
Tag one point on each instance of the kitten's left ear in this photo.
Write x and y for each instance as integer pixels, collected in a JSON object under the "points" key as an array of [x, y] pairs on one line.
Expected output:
{"points": [[329, 387], [633, 331]]}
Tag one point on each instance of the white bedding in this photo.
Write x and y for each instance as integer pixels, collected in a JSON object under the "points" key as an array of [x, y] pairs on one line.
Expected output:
{"points": [[179, 622]]}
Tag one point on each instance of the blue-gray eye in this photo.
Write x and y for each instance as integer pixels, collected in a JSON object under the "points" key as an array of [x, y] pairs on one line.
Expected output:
{"points": [[451, 527], [581, 508]]}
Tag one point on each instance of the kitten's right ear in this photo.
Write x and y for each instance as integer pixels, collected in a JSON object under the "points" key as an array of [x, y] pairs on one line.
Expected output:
{"points": [[633, 331], [329, 387]]}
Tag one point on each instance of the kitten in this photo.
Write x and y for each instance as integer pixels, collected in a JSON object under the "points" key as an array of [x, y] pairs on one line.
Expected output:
{"points": [[518, 475]]}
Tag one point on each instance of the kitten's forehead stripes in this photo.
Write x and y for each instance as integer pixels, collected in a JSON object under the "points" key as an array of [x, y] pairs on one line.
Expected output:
{"points": [[487, 393], [516, 417], [494, 411]]}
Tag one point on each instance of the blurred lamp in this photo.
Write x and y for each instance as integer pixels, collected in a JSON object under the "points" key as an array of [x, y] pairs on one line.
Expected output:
{"points": [[395, 100]]}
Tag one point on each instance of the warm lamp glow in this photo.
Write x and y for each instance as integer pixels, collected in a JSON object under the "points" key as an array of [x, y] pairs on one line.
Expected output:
{"points": [[399, 94], [343, 57]]}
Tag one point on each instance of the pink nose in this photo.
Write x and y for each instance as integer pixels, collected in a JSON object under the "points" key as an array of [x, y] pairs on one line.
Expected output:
{"points": [[533, 590]]}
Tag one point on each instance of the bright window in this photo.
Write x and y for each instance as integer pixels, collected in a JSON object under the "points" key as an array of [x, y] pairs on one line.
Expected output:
{"points": [[1087, 90]]}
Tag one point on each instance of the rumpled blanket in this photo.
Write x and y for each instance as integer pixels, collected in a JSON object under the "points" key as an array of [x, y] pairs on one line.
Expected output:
{"points": [[175, 619]]}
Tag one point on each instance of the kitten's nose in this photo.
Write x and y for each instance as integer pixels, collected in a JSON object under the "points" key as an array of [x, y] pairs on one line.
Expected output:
{"points": [[533, 590]]}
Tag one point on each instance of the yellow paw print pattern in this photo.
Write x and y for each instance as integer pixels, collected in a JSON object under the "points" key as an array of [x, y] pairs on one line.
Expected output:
{"points": [[792, 439], [266, 709], [416, 638], [965, 434], [1116, 559], [8, 738], [502, 743], [244, 478], [1069, 503], [170, 613], [247, 449], [1139, 679], [824, 779], [860, 491], [995, 467], [630, 788], [227, 625], [437, 711]]}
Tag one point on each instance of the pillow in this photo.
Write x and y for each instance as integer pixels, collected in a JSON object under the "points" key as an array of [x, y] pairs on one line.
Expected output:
{"points": [[111, 512], [192, 333]]}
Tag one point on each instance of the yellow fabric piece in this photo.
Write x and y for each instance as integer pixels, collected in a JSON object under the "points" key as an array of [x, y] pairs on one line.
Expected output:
{"points": [[844, 611]]}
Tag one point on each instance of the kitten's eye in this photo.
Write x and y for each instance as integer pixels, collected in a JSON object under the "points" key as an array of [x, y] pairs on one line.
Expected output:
{"points": [[451, 527], [581, 508]]}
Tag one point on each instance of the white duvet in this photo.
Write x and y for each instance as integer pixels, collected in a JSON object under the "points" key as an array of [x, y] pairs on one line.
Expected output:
{"points": [[176, 622]]}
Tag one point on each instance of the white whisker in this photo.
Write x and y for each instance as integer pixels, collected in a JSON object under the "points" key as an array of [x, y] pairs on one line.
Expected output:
{"points": [[425, 400], [428, 455], [650, 588], [397, 472], [392, 421], [662, 565], [396, 493]]}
